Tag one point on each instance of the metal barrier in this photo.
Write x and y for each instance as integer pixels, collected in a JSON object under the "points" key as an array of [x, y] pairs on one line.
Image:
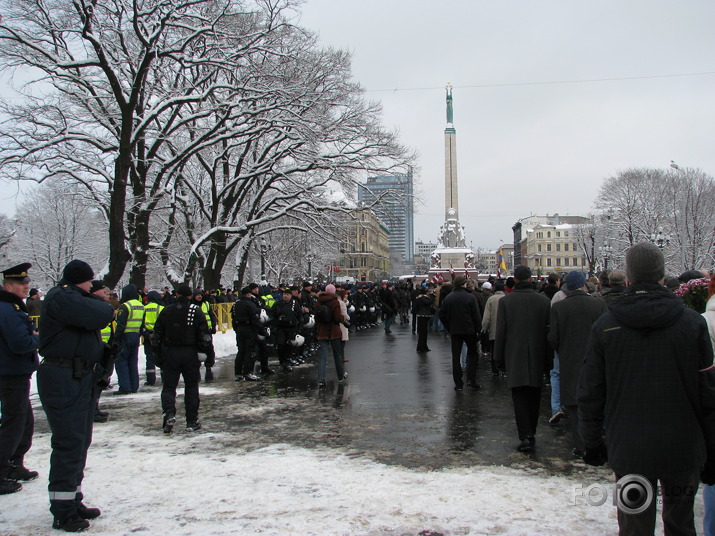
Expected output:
{"points": [[221, 310], [223, 316]]}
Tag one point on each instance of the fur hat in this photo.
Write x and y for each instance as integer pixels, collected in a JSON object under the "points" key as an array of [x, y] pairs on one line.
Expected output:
{"points": [[487, 285], [645, 263], [77, 271], [575, 280]]}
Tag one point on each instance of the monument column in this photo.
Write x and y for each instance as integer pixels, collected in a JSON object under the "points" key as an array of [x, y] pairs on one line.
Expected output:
{"points": [[451, 198]]}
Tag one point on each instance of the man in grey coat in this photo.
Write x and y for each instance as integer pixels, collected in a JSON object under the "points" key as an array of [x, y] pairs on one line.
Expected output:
{"points": [[522, 349], [569, 330]]}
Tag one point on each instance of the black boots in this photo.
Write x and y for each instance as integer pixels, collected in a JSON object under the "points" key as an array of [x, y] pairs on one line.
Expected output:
{"points": [[8, 486], [74, 523], [169, 422], [20, 472]]}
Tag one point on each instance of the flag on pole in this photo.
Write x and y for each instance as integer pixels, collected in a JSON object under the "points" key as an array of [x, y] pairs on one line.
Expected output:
{"points": [[501, 262]]}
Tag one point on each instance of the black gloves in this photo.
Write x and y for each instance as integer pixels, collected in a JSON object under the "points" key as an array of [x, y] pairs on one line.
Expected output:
{"points": [[707, 475], [596, 455]]}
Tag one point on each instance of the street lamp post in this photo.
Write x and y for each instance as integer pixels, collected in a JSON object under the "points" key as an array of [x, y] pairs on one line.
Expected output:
{"points": [[676, 167], [264, 248], [309, 257], [606, 251], [659, 238]]}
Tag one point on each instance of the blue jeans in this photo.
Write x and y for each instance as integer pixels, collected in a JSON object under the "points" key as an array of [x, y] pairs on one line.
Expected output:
{"points": [[127, 364], [555, 386], [709, 519], [335, 345], [436, 322], [388, 321]]}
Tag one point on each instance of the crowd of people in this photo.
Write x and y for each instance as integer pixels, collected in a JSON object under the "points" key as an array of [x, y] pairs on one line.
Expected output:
{"points": [[629, 366]]}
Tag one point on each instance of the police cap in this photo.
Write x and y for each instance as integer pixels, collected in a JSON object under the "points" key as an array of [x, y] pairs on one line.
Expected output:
{"points": [[17, 273]]}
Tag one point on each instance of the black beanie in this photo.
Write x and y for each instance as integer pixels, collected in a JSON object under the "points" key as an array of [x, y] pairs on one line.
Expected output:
{"points": [[77, 272], [645, 263], [184, 290], [97, 285]]}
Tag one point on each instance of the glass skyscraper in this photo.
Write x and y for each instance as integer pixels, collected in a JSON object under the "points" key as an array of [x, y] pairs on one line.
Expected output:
{"points": [[391, 198]]}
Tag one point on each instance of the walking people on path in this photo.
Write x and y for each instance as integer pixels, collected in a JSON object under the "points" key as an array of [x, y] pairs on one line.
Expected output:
{"points": [[522, 350]]}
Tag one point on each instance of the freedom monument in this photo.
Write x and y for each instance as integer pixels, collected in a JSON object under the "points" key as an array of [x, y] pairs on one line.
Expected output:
{"points": [[452, 253]]}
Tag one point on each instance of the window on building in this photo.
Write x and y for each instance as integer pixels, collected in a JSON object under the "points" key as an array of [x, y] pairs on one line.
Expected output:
{"points": [[558, 261], [548, 234], [538, 248], [362, 247], [558, 247], [558, 234], [575, 246], [548, 247], [566, 246], [566, 261], [575, 261], [363, 261], [548, 261]]}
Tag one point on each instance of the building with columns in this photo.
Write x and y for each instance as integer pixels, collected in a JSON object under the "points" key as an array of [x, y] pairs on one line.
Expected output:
{"points": [[549, 244], [365, 250]]}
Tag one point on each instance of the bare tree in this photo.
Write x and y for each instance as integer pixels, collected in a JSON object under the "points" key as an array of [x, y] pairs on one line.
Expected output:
{"points": [[637, 203], [56, 224], [115, 78]]}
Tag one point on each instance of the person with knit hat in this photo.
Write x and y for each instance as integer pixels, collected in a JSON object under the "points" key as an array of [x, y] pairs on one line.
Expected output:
{"points": [[522, 350], [648, 378], [569, 329], [72, 352]]}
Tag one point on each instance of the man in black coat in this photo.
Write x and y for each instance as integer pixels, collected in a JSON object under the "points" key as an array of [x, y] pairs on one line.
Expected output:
{"points": [[246, 325], [569, 329], [18, 360], [522, 350], [181, 340], [461, 318], [648, 377], [72, 352]]}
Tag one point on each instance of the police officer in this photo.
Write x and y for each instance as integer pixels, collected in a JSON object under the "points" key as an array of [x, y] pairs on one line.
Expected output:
{"points": [[180, 333], [18, 360], [246, 325], [100, 290], [72, 352], [151, 312], [130, 318], [212, 321], [287, 318]]}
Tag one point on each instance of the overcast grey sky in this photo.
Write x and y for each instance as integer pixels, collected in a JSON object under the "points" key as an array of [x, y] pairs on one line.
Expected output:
{"points": [[527, 147], [524, 145]]}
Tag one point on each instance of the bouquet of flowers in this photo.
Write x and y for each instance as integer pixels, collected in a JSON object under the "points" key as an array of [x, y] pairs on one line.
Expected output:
{"points": [[694, 293]]}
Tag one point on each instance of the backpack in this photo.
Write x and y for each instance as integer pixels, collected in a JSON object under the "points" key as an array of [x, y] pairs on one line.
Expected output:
{"points": [[323, 314]]}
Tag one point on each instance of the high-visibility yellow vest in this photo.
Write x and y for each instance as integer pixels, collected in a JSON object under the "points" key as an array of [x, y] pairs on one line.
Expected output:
{"points": [[151, 312], [106, 333], [269, 300], [136, 316], [206, 307]]}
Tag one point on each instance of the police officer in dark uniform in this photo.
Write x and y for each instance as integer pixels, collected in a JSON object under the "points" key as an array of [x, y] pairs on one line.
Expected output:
{"points": [[247, 326], [73, 353], [18, 360], [181, 338]]}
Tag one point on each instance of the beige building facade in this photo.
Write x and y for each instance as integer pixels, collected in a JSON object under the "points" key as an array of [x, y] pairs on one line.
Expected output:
{"points": [[365, 251]]}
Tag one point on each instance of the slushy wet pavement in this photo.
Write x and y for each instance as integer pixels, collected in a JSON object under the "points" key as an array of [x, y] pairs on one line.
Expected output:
{"points": [[397, 407]]}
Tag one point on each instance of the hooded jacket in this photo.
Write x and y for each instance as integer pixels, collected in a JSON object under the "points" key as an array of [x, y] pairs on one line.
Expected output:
{"points": [[648, 376]]}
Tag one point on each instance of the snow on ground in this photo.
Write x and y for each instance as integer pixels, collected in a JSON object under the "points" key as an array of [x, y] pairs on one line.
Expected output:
{"points": [[202, 483]]}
